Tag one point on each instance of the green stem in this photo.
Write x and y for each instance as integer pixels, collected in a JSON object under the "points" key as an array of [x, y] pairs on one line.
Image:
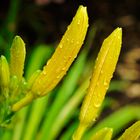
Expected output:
{"points": [[23, 102]]}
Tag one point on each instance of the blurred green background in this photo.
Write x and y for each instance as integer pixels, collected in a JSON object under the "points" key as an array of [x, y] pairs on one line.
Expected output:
{"points": [[41, 24]]}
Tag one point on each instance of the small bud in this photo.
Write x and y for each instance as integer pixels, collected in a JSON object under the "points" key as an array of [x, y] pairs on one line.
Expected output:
{"points": [[17, 57], [4, 76]]}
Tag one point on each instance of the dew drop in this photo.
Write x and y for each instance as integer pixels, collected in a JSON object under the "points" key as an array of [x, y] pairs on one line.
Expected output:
{"points": [[106, 88], [72, 41], [63, 68], [44, 72], [78, 22], [77, 43], [101, 72], [68, 28], [97, 105], [75, 56], [60, 46], [105, 83], [58, 77], [48, 62]]}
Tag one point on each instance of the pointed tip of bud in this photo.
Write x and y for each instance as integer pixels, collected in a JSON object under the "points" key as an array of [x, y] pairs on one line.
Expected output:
{"points": [[115, 35], [117, 32], [2, 57], [82, 8], [18, 40], [82, 11]]}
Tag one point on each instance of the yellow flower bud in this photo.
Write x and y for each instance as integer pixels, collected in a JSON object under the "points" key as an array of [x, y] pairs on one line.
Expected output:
{"points": [[4, 76], [64, 54], [17, 57], [102, 74]]}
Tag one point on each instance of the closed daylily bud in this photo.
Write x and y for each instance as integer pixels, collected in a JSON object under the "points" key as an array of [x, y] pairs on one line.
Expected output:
{"points": [[64, 54], [61, 60], [102, 74], [17, 57], [4, 76]]}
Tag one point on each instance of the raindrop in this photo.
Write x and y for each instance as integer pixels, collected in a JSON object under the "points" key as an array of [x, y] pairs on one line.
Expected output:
{"points": [[101, 72], [58, 77], [48, 62], [63, 68], [78, 22], [105, 83], [72, 41], [60, 46], [77, 43], [97, 105], [44, 72], [68, 28]]}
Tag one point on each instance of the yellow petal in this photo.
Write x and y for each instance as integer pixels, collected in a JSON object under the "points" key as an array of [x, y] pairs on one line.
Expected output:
{"points": [[132, 133], [17, 57], [102, 74], [64, 54]]}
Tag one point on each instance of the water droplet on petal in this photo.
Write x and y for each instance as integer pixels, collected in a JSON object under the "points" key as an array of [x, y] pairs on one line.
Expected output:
{"points": [[44, 72], [105, 83], [101, 72], [97, 105], [48, 63], [58, 77], [60, 46], [72, 41], [63, 68]]}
